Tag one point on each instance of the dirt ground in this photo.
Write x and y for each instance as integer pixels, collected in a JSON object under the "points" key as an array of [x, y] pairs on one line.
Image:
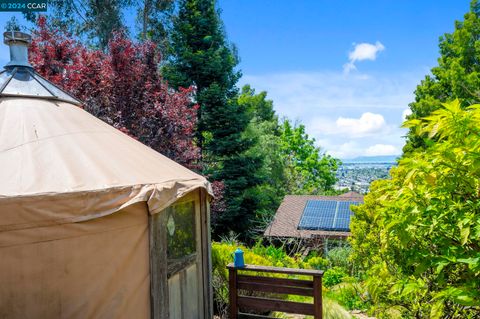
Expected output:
{"points": [[355, 314], [360, 315]]}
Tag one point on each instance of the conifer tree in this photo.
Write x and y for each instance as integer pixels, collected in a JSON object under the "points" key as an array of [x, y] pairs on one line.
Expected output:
{"points": [[202, 57]]}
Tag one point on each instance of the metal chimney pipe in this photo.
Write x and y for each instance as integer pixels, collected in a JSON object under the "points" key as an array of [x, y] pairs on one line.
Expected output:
{"points": [[18, 43]]}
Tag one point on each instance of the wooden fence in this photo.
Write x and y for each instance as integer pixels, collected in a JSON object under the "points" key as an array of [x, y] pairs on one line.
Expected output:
{"points": [[287, 286]]}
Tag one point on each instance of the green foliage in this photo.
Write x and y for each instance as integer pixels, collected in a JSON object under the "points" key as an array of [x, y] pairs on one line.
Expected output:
{"points": [[333, 276], [263, 129], [292, 164], [95, 21], [417, 234], [340, 257], [277, 256], [92, 20], [222, 255], [349, 295], [308, 171], [154, 20], [258, 255], [266, 256], [456, 76], [257, 105], [202, 57], [317, 263], [331, 308]]}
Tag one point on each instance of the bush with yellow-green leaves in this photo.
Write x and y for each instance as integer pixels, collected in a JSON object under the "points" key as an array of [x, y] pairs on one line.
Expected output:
{"points": [[417, 236]]}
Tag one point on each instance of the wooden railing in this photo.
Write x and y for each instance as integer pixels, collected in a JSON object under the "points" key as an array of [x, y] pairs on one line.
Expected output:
{"points": [[312, 288]]}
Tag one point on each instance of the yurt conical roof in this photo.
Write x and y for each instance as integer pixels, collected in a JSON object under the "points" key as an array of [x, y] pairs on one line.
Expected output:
{"points": [[64, 163]]}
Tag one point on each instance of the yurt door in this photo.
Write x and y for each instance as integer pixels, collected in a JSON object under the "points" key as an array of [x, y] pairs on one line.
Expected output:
{"points": [[177, 282]]}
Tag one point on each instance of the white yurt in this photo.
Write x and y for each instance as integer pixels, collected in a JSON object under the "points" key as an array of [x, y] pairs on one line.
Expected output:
{"points": [[93, 224]]}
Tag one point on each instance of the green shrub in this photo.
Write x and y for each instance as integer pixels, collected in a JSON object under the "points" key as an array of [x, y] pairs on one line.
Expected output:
{"points": [[417, 234], [272, 256], [333, 276], [340, 257], [350, 295], [318, 263], [277, 256], [222, 255]]}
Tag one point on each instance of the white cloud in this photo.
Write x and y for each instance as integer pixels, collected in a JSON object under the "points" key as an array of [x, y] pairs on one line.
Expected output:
{"points": [[406, 113], [368, 123], [368, 138], [345, 114], [361, 52], [299, 95], [382, 149], [354, 149], [365, 51], [346, 150]]}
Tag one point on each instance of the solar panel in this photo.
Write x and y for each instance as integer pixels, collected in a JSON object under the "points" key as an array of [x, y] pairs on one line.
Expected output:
{"points": [[326, 215], [318, 214]]}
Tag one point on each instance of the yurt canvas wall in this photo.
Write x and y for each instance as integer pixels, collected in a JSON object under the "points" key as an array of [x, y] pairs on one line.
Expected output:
{"points": [[124, 265], [93, 269]]}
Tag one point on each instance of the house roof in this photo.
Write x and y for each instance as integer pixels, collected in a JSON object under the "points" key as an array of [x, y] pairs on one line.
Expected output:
{"points": [[288, 215]]}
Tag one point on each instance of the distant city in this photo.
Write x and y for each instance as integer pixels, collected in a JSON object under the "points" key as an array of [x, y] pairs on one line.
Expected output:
{"points": [[357, 174]]}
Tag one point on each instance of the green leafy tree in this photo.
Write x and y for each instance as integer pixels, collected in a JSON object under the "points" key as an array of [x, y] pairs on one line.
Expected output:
{"points": [[417, 235], [93, 21], [308, 170], [202, 57], [456, 76], [154, 21], [257, 105], [103, 18], [292, 164], [264, 129]]}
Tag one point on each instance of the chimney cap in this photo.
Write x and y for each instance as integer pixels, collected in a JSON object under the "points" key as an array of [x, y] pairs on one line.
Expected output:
{"points": [[19, 79], [18, 43], [16, 37]]}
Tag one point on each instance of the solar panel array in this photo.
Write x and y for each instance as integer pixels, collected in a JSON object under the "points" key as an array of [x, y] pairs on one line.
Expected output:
{"points": [[328, 215]]}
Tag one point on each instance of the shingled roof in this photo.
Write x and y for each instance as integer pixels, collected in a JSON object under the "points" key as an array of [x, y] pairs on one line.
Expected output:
{"points": [[287, 217]]}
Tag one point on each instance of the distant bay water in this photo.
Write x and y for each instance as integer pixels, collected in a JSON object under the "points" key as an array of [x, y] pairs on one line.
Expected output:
{"points": [[356, 174], [390, 159]]}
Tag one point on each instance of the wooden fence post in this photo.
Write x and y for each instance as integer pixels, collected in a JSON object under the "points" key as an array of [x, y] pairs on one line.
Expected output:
{"points": [[232, 288], [317, 296], [267, 284]]}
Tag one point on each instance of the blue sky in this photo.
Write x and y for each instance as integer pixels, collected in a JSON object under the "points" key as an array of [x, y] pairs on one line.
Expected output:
{"points": [[346, 69], [298, 51]]}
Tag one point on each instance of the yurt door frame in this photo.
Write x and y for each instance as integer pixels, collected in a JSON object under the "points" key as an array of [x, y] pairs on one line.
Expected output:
{"points": [[180, 275]]}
